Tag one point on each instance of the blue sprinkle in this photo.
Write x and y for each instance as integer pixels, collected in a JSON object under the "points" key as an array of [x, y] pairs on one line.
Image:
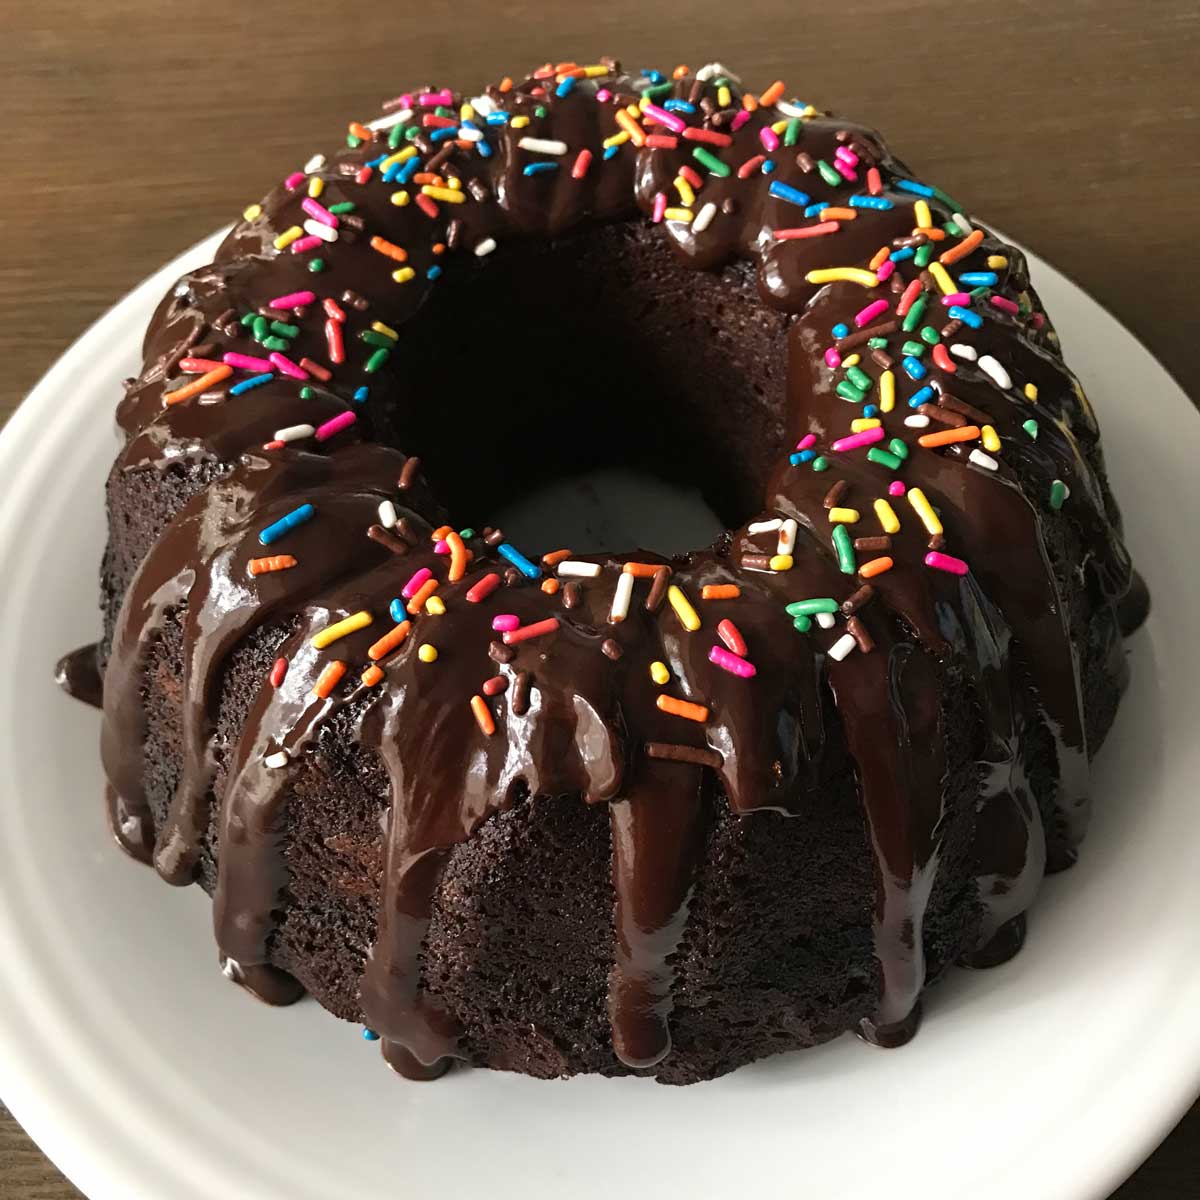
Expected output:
{"points": [[297, 516], [905, 252], [564, 88], [802, 456], [783, 191], [253, 382], [877, 202], [360, 394], [610, 152], [497, 118], [966, 316], [978, 279], [433, 272], [840, 329], [485, 150], [921, 396], [654, 76], [408, 170], [914, 367], [768, 165], [539, 168], [870, 410], [518, 560], [397, 611], [369, 1035], [679, 106], [813, 209], [470, 125], [911, 185], [447, 131], [374, 162]]}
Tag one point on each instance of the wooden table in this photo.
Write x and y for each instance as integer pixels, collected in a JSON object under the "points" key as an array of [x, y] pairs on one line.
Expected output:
{"points": [[134, 130]]}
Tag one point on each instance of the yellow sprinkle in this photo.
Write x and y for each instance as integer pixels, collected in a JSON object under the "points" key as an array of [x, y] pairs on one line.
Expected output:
{"points": [[997, 262], [1031, 392], [942, 278], [596, 71], [287, 237], [923, 215], [852, 361], [887, 516], [724, 96], [466, 113], [339, 629], [454, 183], [380, 327], [779, 127], [316, 185], [848, 274], [252, 213], [991, 439], [519, 122], [399, 157], [428, 653], [435, 605], [400, 198], [887, 392], [449, 195], [781, 562], [688, 617], [659, 673], [678, 214], [617, 139], [924, 510], [860, 424], [685, 191], [844, 516], [403, 275], [633, 110]]}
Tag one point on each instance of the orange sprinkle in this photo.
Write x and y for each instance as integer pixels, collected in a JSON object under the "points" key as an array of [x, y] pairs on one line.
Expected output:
{"points": [[483, 715], [438, 247], [641, 570], [371, 676], [389, 249], [947, 437], [839, 214], [328, 680], [749, 103], [561, 68], [429, 177], [439, 534], [877, 566], [389, 641], [934, 235], [361, 131], [555, 557], [198, 385], [682, 708], [417, 601], [274, 562], [773, 93], [506, 84], [636, 134], [963, 248], [458, 557], [881, 256], [679, 72], [550, 586], [720, 591]]}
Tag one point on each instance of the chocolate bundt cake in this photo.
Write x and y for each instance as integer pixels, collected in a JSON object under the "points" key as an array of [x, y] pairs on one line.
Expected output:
{"points": [[608, 812]]}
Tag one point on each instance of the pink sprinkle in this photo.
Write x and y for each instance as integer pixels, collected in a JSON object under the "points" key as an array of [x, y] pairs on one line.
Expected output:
{"points": [[962, 299], [293, 300], [844, 171], [433, 99], [1038, 320], [603, 94], [334, 425], [896, 488], [319, 212], [1004, 305], [739, 120], [885, 270], [405, 101], [411, 587], [769, 138], [833, 359], [441, 546], [867, 315], [660, 207], [809, 439], [304, 244], [731, 663], [246, 362], [294, 180], [503, 622], [856, 440], [288, 367], [945, 562], [670, 120], [846, 155]]}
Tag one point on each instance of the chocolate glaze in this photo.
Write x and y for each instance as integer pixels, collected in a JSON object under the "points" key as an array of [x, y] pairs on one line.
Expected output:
{"points": [[577, 707]]}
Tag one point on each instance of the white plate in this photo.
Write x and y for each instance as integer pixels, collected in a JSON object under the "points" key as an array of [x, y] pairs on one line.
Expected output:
{"points": [[143, 1074]]}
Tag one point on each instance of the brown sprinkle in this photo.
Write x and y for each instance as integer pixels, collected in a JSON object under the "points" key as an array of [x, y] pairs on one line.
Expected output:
{"points": [[857, 599], [833, 497], [673, 752], [858, 631], [658, 589], [879, 542], [386, 538], [520, 693]]}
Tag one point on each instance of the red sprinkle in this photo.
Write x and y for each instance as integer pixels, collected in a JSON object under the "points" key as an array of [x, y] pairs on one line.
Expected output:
{"points": [[694, 134], [750, 166], [333, 340], [333, 309], [909, 298], [943, 360], [427, 206], [278, 672], [732, 637], [537, 629], [363, 174], [662, 141], [582, 162], [315, 369], [484, 588], [495, 685]]}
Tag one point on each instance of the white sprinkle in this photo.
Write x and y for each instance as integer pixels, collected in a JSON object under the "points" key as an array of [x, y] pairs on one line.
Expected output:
{"points": [[483, 105], [961, 351], [621, 597], [916, 421], [793, 108], [1000, 377], [277, 760], [485, 247], [826, 620], [964, 226], [543, 145], [980, 459], [322, 231], [713, 69], [579, 570], [387, 514], [469, 135], [842, 647], [787, 537], [314, 164], [390, 119], [704, 217], [764, 526], [293, 433]]}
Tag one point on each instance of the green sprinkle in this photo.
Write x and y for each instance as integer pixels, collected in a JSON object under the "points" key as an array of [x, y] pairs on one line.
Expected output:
{"points": [[953, 205], [249, 319], [376, 361], [262, 327], [394, 135], [923, 255], [876, 343], [353, 142], [912, 318], [916, 349], [276, 343], [307, 393], [346, 206], [442, 111], [376, 339], [820, 463], [285, 330], [712, 162], [791, 135], [1031, 428], [540, 111], [1058, 494], [808, 608], [411, 132], [952, 229], [980, 292], [848, 391], [930, 335], [316, 264], [804, 624], [828, 174], [899, 447], [859, 378], [883, 458], [655, 90], [847, 563], [466, 533]]}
